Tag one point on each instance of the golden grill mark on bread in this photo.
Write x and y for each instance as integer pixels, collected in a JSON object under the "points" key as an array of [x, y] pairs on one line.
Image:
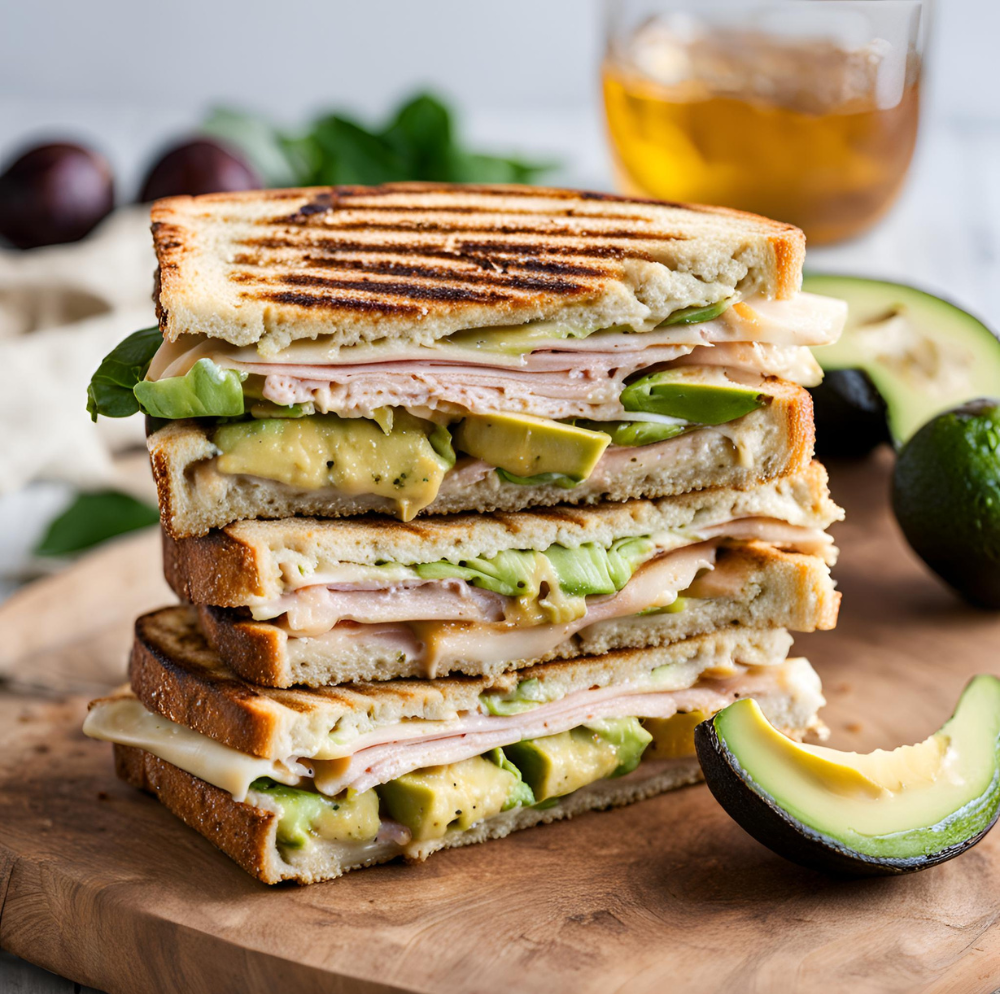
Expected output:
{"points": [[449, 257]]}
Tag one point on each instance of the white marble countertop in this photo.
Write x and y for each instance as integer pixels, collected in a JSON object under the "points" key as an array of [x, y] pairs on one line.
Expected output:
{"points": [[943, 235]]}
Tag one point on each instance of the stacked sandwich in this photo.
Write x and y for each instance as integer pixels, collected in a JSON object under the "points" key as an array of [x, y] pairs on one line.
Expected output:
{"points": [[477, 500]]}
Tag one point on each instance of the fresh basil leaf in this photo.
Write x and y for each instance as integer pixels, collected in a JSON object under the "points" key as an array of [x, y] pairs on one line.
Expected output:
{"points": [[206, 390], [418, 143], [110, 391], [93, 518]]}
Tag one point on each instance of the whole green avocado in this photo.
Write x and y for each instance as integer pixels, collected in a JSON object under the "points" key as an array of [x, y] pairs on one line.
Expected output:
{"points": [[946, 495]]}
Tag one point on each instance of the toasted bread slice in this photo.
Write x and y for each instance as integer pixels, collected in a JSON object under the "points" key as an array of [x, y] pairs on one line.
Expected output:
{"points": [[772, 441], [247, 562], [422, 260], [756, 586]]}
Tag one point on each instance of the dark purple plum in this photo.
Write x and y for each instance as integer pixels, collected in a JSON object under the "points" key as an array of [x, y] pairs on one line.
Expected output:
{"points": [[195, 167], [53, 194]]}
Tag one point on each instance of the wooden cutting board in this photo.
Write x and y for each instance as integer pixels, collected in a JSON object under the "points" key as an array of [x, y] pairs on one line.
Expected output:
{"points": [[101, 884]]}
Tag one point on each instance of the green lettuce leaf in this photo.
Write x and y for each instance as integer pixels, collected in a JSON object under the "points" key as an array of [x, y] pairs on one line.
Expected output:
{"points": [[206, 390], [511, 572], [543, 479], [591, 569], [586, 570], [521, 795], [111, 388], [525, 696]]}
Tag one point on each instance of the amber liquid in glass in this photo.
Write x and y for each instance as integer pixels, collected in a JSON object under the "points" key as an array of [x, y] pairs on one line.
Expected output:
{"points": [[831, 168]]}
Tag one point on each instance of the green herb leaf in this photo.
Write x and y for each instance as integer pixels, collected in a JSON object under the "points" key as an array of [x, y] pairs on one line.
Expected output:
{"points": [[93, 518], [110, 391], [418, 143]]}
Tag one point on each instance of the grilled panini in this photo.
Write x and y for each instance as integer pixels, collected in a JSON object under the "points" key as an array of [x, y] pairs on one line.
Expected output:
{"points": [[306, 785]]}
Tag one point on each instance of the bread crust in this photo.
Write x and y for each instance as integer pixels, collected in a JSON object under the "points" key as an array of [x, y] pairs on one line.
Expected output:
{"points": [[427, 259], [243, 832], [773, 441], [247, 834]]}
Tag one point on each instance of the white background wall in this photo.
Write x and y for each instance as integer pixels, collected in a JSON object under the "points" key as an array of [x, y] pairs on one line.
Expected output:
{"points": [[127, 74]]}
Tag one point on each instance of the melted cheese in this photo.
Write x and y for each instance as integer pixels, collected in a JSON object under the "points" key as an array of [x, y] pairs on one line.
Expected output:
{"points": [[124, 720]]}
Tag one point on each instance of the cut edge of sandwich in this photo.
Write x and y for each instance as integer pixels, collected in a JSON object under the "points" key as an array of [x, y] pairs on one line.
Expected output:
{"points": [[773, 441]]}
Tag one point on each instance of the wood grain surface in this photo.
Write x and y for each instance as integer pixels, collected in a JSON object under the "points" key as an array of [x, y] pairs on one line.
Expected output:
{"points": [[102, 885]]}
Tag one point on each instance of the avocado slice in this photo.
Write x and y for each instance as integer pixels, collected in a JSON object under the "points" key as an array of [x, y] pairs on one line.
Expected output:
{"points": [[673, 736], [526, 446], [922, 354], [946, 497], [860, 815], [438, 799], [686, 395], [555, 765], [305, 814], [353, 455]]}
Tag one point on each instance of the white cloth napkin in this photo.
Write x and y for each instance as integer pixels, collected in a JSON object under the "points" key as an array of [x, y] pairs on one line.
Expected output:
{"points": [[62, 309]]}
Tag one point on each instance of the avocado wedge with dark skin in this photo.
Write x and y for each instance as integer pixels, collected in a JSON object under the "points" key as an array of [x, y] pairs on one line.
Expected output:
{"points": [[905, 351], [851, 814]]}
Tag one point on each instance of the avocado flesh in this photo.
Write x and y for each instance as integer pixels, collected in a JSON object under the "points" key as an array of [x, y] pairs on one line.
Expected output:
{"points": [[439, 799], [686, 395], [352, 455], [555, 765], [305, 815], [878, 812], [526, 446], [923, 354], [673, 736]]}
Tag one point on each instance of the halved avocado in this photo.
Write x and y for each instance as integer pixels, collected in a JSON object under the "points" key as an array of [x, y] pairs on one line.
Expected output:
{"points": [[860, 815], [921, 354]]}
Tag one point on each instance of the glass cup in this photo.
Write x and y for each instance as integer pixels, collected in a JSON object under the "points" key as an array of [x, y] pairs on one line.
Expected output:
{"points": [[803, 110]]}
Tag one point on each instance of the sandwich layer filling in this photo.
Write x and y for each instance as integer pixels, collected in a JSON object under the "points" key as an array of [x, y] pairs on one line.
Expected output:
{"points": [[519, 604], [417, 780], [538, 404]]}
